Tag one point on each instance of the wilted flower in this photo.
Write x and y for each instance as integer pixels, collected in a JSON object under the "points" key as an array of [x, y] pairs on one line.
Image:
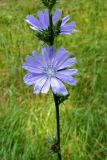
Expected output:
{"points": [[49, 70], [42, 23]]}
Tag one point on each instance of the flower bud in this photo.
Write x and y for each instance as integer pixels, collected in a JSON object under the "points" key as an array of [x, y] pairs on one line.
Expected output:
{"points": [[49, 3]]}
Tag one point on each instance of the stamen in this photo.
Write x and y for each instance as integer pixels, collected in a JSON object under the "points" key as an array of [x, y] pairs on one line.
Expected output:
{"points": [[50, 71]]}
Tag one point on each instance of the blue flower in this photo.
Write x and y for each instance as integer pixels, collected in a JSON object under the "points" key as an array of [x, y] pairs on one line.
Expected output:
{"points": [[50, 69], [42, 23]]}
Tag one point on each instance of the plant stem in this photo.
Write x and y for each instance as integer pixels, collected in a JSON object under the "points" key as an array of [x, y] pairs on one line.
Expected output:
{"points": [[58, 125], [55, 96], [51, 28]]}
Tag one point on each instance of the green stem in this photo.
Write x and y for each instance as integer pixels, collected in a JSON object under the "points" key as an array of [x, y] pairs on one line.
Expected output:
{"points": [[51, 28], [55, 96], [58, 126]]}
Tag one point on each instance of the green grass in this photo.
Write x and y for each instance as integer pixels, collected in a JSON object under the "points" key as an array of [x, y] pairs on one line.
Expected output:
{"points": [[27, 120]]}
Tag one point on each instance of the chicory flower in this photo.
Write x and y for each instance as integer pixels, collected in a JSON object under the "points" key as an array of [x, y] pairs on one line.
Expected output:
{"points": [[50, 69], [42, 23]]}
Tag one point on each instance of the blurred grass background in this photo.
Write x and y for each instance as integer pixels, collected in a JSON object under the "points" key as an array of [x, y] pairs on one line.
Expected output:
{"points": [[27, 120]]}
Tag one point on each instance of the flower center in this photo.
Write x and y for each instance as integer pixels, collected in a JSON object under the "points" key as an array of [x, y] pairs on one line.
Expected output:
{"points": [[50, 71]]}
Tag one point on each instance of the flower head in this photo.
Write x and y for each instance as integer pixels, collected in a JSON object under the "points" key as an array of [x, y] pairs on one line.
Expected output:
{"points": [[50, 69], [42, 23]]}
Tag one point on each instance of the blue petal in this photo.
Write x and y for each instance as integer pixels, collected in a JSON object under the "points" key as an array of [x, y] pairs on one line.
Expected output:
{"points": [[33, 22], [32, 69], [51, 53], [61, 56], [68, 63], [31, 78], [38, 58], [32, 62], [69, 72], [58, 87], [67, 79], [56, 16], [48, 55], [68, 27], [45, 56], [46, 86], [68, 32], [71, 25], [39, 84], [42, 20], [65, 20]]}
